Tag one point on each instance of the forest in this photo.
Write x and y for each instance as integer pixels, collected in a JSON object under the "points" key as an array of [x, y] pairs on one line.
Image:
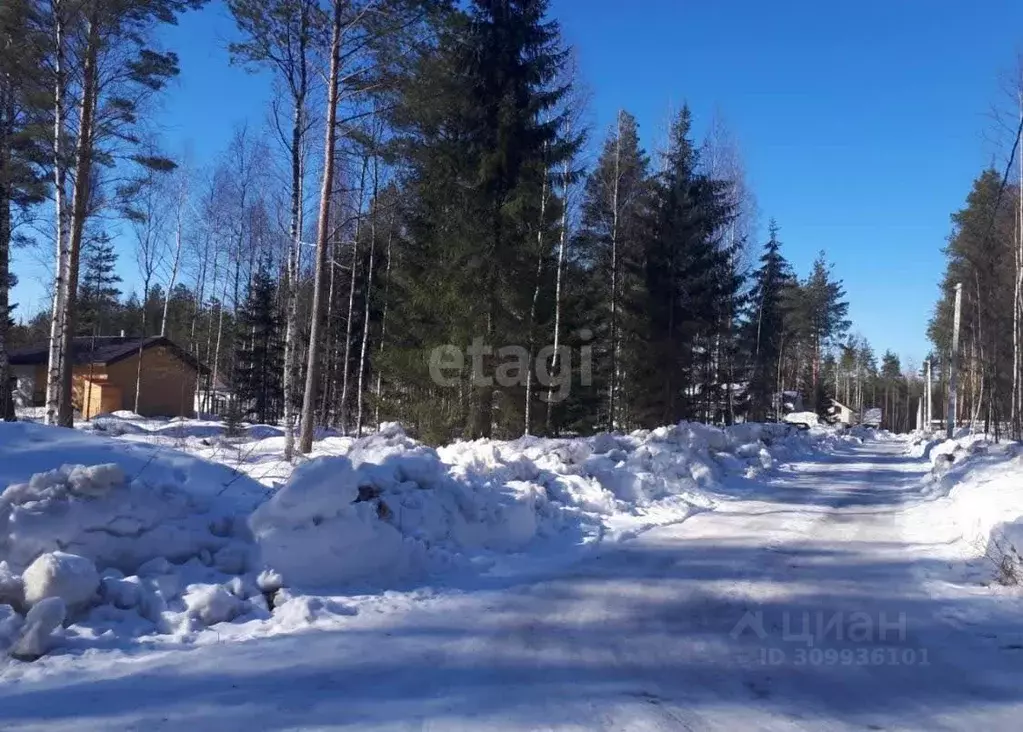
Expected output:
{"points": [[984, 258], [428, 185]]}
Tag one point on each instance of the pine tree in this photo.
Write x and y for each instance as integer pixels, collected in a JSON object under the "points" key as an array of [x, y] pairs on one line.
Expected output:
{"points": [[22, 145], [259, 358], [763, 330], [119, 72], [980, 256]]}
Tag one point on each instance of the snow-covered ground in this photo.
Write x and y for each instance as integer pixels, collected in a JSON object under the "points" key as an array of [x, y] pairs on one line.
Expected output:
{"points": [[685, 578]]}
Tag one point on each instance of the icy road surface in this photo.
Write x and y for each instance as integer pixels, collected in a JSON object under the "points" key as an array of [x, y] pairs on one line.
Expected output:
{"points": [[796, 605]]}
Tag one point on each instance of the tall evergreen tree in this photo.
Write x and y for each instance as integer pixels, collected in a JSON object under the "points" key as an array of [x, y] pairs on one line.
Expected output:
{"points": [[891, 376], [98, 293], [980, 256], [260, 351], [22, 141], [610, 242], [482, 134], [689, 278], [763, 330], [825, 315]]}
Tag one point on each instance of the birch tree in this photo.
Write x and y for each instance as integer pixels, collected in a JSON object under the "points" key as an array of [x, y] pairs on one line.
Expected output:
{"points": [[322, 226], [362, 36], [180, 189], [148, 222], [280, 35]]}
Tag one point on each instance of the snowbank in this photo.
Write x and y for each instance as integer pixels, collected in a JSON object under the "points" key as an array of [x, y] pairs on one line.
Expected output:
{"points": [[97, 523], [976, 511], [99, 513], [393, 507], [130, 537], [810, 419]]}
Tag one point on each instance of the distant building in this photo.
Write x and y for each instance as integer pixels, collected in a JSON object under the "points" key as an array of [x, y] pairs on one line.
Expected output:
{"points": [[841, 414], [106, 370]]}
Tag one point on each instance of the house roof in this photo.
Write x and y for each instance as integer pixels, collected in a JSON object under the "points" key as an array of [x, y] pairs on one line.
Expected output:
{"points": [[104, 350]]}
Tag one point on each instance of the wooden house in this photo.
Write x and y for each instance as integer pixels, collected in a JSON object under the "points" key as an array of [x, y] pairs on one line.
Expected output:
{"points": [[106, 371]]}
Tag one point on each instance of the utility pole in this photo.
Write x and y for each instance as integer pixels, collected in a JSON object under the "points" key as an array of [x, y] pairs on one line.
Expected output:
{"points": [[928, 416], [953, 367]]}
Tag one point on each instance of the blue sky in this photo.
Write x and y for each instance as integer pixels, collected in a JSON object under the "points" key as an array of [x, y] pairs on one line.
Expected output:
{"points": [[861, 124]]}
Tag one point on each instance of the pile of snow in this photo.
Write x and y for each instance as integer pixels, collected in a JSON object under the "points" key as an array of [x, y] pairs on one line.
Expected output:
{"points": [[393, 507], [105, 536], [92, 527], [976, 511], [99, 513], [810, 419]]}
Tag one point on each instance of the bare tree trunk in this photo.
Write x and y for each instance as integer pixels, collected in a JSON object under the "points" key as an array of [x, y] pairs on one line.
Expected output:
{"points": [[174, 266], [220, 335], [351, 298], [138, 367], [6, 403], [57, 313], [532, 306], [330, 345], [212, 382], [291, 285], [613, 387], [79, 211], [562, 240], [951, 402], [305, 444], [300, 89], [200, 296], [374, 212], [383, 324]]}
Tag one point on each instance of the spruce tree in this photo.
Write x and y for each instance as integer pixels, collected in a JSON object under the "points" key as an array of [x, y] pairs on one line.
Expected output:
{"points": [[481, 133], [689, 279], [98, 292], [259, 353], [825, 312], [763, 330], [610, 243]]}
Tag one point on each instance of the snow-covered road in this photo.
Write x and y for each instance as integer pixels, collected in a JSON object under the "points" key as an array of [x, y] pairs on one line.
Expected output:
{"points": [[796, 605]]}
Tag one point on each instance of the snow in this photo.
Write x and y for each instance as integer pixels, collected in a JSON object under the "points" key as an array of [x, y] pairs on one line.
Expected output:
{"points": [[71, 578], [35, 635], [810, 419], [10, 627], [578, 583], [12, 588], [976, 511], [212, 604], [392, 508], [141, 539]]}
